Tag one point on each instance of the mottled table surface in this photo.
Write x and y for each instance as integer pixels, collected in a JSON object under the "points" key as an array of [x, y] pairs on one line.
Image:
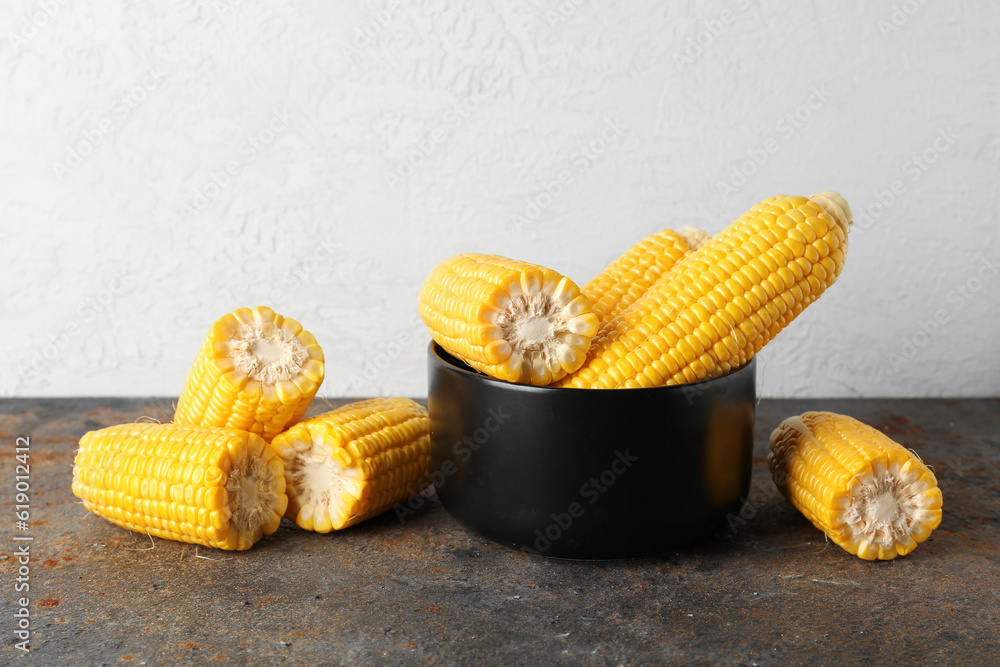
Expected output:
{"points": [[763, 589]]}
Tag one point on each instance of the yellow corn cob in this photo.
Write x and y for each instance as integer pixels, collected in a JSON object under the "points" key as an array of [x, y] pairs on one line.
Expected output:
{"points": [[723, 302], [218, 487], [355, 462], [512, 320], [627, 278], [256, 371], [867, 493]]}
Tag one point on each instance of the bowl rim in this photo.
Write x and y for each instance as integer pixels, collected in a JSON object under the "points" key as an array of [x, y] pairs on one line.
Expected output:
{"points": [[437, 351]]}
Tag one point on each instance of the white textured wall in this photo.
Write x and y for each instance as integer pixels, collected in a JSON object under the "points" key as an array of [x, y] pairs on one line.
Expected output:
{"points": [[242, 152]]}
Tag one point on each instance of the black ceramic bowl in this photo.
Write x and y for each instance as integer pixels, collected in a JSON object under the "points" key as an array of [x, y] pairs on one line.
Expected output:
{"points": [[589, 473]]}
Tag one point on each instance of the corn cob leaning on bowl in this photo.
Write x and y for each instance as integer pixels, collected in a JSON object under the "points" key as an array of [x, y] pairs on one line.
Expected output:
{"points": [[256, 371], [512, 320], [870, 495], [355, 462], [723, 302], [217, 487]]}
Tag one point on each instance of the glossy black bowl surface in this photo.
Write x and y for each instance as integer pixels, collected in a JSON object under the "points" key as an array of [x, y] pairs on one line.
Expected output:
{"points": [[589, 473]]}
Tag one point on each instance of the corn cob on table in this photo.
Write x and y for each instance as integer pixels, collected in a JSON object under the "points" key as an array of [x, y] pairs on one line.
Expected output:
{"points": [[766, 588]]}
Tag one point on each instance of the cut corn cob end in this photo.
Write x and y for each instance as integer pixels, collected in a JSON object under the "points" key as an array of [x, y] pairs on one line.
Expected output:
{"points": [[869, 494], [216, 487], [512, 320], [257, 371], [355, 462]]}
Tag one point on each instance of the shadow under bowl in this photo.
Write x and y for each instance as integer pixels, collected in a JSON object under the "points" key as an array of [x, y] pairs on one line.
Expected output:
{"points": [[589, 473]]}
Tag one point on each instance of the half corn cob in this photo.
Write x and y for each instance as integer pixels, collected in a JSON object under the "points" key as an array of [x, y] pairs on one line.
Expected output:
{"points": [[723, 302], [355, 462], [256, 371], [627, 278], [867, 493], [512, 320], [218, 487]]}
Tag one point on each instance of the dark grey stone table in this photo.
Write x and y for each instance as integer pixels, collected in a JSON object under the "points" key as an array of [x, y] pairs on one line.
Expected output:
{"points": [[765, 589]]}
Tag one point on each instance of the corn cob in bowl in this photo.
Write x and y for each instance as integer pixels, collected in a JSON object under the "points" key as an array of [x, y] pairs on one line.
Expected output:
{"points": [[635, 271], [724, 301], [512, 320]]}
